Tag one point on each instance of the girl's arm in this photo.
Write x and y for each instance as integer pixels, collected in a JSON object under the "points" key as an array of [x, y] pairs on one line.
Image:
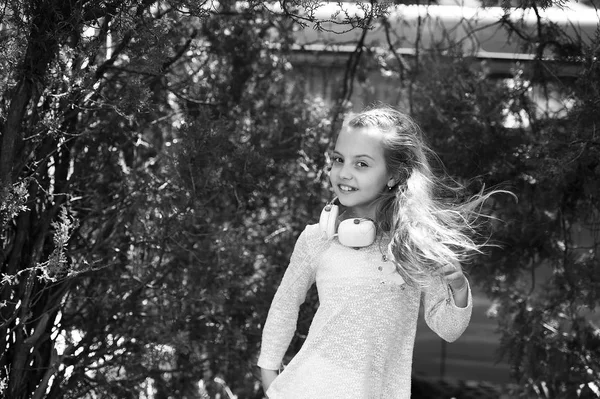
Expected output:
{"points": [[448, 304], [280, 325], [267, 376]]}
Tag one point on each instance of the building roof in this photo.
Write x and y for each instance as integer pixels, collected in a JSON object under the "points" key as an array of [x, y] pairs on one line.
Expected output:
{"points": [[480, 31]]}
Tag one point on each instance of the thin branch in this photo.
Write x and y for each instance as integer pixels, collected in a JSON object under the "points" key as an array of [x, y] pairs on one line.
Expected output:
{"points": [[115, 55], [348, 83], [180, 53], [401, 62]]}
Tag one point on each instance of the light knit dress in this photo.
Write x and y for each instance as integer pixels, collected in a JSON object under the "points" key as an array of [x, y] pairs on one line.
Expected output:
{"points": [[360, 343]]}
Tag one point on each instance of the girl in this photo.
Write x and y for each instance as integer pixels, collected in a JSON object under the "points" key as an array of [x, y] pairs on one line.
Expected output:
{"points": [[361, 339]]}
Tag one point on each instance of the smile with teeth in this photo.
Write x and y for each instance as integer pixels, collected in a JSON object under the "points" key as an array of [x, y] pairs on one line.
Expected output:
{"points": [[346, 188]]}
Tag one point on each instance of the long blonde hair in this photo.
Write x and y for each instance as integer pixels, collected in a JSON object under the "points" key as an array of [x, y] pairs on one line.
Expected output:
{"points": [[429, 224]]}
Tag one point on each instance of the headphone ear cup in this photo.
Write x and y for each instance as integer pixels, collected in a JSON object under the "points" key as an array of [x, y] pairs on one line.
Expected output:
{"points": [[328, 220], [357, 232]]}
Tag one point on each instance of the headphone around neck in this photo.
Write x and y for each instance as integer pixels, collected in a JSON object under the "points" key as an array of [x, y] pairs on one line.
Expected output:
{"points": [[352, 232]]}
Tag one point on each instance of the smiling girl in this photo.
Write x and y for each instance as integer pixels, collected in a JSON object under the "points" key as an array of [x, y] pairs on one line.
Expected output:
{"points": [[360, 343]]}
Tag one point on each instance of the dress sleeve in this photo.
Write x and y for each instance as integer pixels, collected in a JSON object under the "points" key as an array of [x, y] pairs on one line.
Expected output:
{"points": [[283, 315], [441, 313]]}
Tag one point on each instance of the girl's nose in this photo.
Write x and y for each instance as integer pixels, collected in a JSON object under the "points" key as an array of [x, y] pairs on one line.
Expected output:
{"points": [[345, 172]]}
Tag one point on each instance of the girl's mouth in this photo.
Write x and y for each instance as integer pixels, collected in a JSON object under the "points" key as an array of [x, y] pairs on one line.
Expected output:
{"points": [[346, 189]]}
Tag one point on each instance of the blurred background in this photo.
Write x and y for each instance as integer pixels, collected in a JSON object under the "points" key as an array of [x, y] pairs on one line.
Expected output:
{"points": [[158, 160]]}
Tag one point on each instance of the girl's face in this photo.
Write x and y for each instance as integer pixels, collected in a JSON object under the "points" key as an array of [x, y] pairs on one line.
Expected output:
{"points": [[359, 174]]}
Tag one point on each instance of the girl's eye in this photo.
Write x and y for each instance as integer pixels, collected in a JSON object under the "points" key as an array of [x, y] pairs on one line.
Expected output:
{"points": [[337, 160], [362, 164]]}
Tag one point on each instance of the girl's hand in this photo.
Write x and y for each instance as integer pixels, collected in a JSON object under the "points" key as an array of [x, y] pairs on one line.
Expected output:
{"points": [[458, 283], [455, 277], [267, 376]]}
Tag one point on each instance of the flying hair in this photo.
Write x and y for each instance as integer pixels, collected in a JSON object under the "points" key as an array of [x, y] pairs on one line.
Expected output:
{"points": [[429, 223]]}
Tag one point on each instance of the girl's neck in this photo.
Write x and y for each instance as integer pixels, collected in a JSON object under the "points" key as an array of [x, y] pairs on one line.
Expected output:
{"points": [[372, 213], [366, 211], [348, 213]]}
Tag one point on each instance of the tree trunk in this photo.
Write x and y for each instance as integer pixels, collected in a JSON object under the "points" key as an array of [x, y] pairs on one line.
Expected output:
{"points": [[28, 356]]}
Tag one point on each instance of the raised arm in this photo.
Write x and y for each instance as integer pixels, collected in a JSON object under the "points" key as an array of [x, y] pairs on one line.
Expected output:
{"points": [[441, 312]]}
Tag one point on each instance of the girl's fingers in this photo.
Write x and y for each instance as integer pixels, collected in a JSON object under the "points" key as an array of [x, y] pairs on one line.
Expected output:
{"points": [[451, 269], [453, 274]]}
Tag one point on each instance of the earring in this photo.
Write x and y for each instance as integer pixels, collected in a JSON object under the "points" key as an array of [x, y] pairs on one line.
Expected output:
{"points": [[390, 187]]}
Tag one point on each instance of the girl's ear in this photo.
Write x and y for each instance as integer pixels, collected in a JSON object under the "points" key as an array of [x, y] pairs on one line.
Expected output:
{"points": [[401, 177]]}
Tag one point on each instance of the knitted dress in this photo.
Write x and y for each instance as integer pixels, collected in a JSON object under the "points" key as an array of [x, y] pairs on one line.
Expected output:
{"points": [[360, 343]]}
